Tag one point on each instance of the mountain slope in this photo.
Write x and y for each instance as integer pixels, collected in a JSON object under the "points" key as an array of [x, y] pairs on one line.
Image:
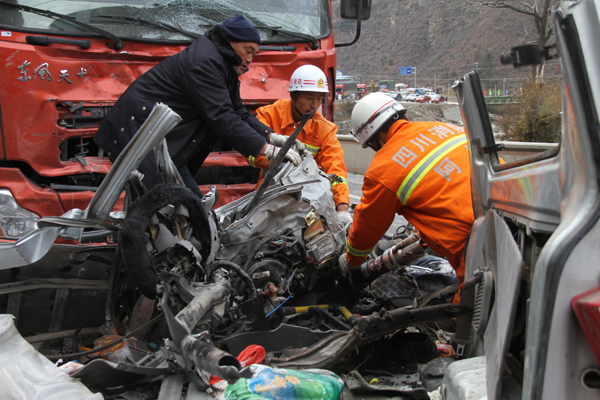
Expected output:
{"points": [[442, 39]]}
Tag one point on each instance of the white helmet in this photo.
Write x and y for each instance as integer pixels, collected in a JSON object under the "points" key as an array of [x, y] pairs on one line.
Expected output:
{"points": [[308, 78], [370, 113]]}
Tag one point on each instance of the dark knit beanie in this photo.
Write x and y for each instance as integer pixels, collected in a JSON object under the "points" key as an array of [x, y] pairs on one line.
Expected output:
{"points": [[238, 29]]}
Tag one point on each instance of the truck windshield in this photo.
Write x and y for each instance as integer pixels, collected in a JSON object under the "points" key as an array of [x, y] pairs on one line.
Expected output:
{"points": [[164, 20]]}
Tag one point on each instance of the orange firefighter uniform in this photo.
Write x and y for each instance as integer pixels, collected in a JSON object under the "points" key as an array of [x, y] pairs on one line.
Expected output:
{"points": [[422, 172], [319, 137]]}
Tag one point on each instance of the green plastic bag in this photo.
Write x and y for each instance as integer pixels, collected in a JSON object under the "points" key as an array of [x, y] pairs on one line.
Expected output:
{"points": [[286, 384]]}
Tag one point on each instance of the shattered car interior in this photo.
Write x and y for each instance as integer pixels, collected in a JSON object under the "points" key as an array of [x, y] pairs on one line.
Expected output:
{"points": [[177, 299]]}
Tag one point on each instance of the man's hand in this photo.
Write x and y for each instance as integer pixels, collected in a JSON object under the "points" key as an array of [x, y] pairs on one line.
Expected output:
{"points": [[291, 155], [278, 140]]}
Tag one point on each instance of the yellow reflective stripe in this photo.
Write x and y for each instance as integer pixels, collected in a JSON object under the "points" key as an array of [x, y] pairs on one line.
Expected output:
{"points": [[334, 182], [251, 160], [314, 150], [355, 252], [420, 170]]}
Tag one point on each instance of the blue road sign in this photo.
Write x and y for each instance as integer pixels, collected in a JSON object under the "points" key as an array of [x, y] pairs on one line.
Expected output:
{"points": [[405, 71]]}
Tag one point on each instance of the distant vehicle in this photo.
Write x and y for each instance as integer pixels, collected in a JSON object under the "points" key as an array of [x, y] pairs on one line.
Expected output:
{"points": [[347, 90], [410, 97], [422, 98], [436, 98], [361, 90], [394, 95], [387, 84]]}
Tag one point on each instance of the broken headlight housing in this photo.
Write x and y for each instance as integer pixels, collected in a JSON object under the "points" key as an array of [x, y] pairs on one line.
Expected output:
{"points": [[15, 221]]}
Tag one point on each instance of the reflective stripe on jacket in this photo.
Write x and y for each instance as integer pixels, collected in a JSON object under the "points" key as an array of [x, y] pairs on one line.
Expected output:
{"points": [[319, 137], [422, 173]]}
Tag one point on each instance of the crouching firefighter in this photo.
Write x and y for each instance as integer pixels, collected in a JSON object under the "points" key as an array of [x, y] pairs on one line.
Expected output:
{"points": [[308, 88], [421, 170]]}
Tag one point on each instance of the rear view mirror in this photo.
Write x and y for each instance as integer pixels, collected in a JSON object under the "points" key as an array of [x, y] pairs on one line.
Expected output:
{"points": [[358, 10], [349, 9]]}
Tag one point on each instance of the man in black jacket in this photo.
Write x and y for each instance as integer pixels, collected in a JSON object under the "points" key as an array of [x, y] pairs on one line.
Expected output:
{"points": [[201, 85]]}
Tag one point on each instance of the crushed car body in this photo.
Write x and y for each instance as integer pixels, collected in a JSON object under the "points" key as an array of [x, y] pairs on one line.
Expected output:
{"points": [[165, 296]]}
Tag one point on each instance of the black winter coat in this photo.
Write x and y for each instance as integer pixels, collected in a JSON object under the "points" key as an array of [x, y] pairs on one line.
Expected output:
{"points": [[201, 85]]}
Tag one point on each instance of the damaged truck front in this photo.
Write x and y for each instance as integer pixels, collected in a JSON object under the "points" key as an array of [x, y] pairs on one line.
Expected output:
{"points": [[65, 63]]}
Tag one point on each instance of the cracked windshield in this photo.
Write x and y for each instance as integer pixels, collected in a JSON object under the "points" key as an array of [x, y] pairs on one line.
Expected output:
{"points": [[168, 20]]}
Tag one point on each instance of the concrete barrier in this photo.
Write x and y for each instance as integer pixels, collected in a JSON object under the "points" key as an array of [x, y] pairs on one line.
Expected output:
{"points": [[358, 159]]}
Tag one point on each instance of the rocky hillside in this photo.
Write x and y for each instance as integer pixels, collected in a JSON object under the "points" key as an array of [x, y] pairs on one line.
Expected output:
{"points": [[443, 39]]}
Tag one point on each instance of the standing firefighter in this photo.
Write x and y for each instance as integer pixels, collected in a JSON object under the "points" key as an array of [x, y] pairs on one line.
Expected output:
{"points": [[421, 171], [201, 85], [308, 88]]}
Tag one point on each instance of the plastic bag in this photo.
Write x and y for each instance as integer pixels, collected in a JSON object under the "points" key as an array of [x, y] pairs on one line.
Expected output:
{"points": [[278, 383]]}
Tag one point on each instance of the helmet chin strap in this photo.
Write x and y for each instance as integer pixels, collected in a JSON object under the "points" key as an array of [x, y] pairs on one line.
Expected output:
{"points": [[374, 142], [296, 108]]}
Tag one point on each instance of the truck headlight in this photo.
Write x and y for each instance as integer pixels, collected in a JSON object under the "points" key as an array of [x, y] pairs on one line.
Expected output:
{"points": [[15, 222]]}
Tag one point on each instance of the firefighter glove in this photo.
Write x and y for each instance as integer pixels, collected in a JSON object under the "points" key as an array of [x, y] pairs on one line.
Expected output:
{"points": [[291, 155], [278, 140], [344, 266], [344, 218]]}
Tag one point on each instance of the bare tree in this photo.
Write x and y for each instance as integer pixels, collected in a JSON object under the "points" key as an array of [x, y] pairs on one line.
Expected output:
{"points": [[539, 10]]}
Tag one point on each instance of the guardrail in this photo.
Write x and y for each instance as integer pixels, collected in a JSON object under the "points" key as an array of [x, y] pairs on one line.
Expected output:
{"points": [[499, 100], [358, 159]]}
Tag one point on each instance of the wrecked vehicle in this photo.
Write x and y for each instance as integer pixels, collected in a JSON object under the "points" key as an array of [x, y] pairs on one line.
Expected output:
{"points": [[187, 288], [526, 325]]}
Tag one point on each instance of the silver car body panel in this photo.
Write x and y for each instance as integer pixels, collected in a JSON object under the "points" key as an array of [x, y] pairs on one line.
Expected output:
{"points": [[278, 208], [557, 352], [545, 216]]}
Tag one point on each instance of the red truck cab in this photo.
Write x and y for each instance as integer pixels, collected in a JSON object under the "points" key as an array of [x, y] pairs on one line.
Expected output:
{"points": [[65, 63], [340, 90], [361, 90]]}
